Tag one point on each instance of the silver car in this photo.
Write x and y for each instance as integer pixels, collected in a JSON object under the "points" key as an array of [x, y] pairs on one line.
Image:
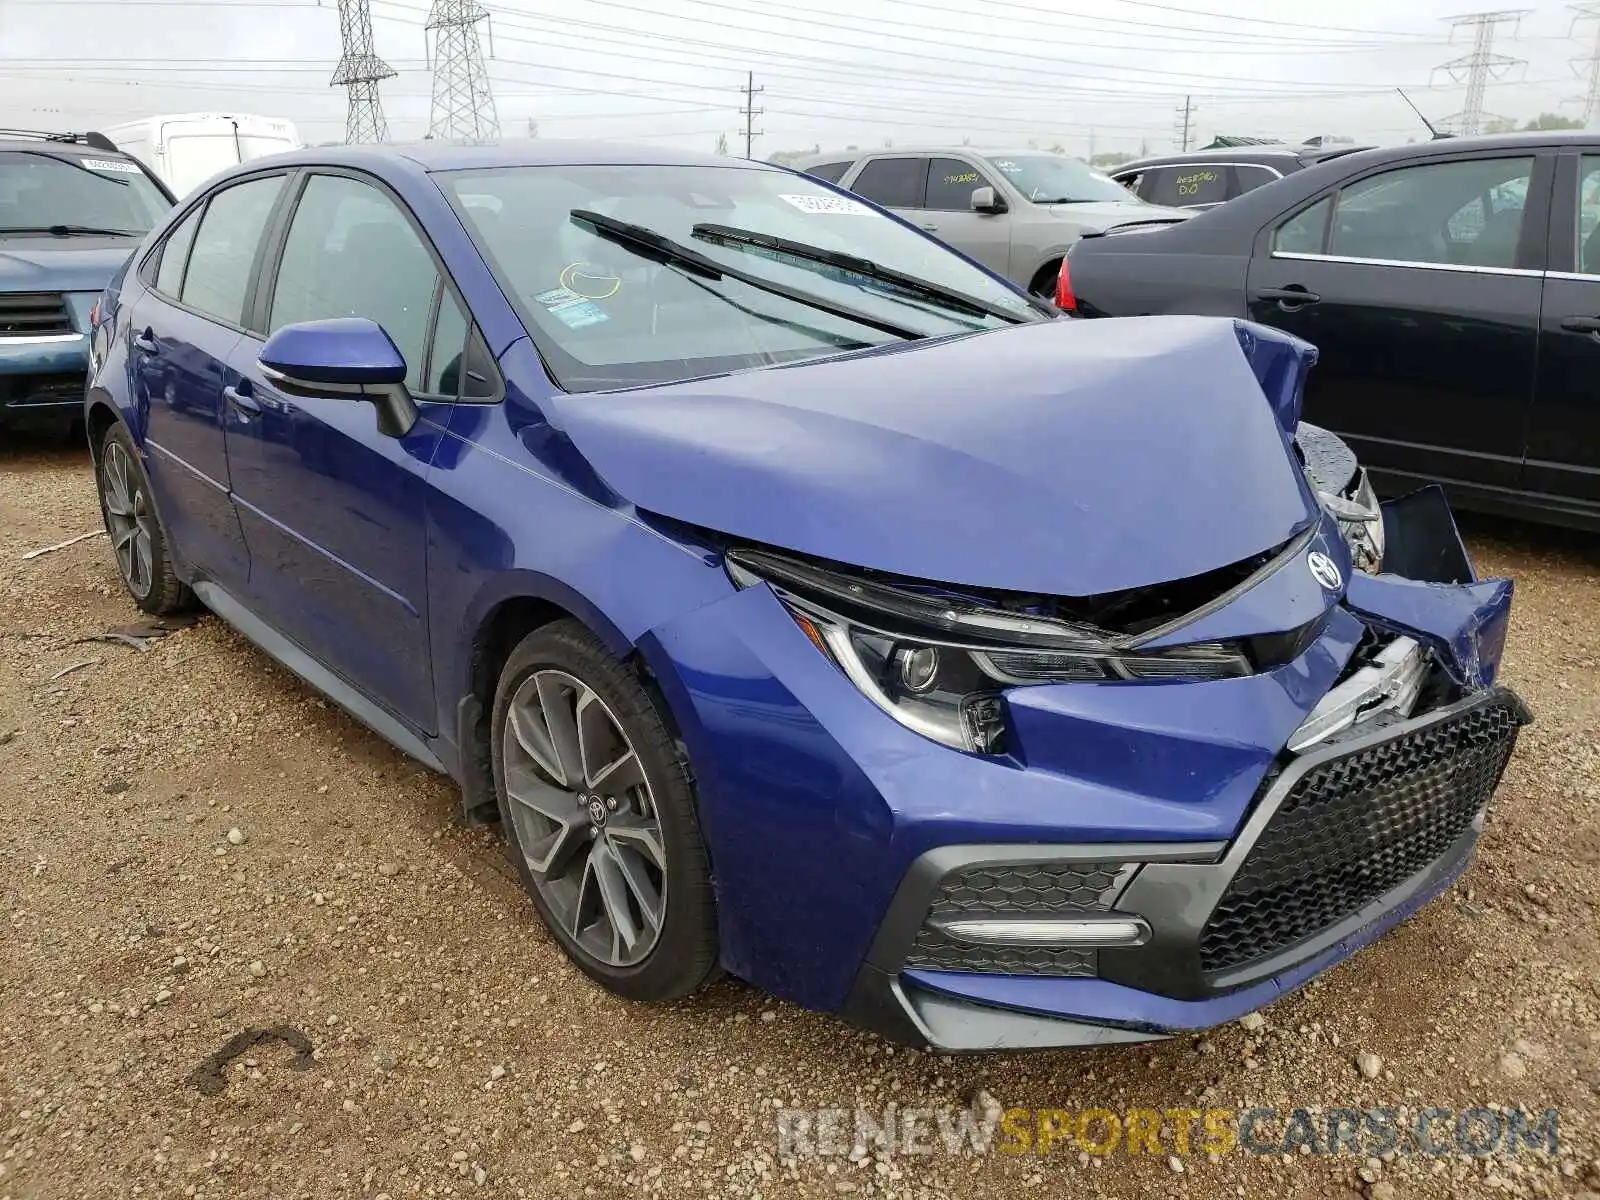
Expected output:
{"points": [[1016, 213]]}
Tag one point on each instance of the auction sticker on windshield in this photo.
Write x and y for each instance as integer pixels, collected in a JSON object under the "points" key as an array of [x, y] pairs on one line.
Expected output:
{"points": [[110, 164], [572, 310], [837, 205]]}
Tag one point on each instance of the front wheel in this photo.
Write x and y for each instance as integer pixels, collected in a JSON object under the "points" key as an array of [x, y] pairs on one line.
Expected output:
{"points": [[137, 538], [599, 812]]}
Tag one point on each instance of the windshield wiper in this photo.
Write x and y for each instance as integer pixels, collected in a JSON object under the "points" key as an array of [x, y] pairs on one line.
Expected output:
{"points": [[864, 267], [71, 230], [662, 249]]}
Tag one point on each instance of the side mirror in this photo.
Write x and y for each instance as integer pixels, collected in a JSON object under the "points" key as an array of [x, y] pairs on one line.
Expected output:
{"points": [[985, 201], [344, 356]]}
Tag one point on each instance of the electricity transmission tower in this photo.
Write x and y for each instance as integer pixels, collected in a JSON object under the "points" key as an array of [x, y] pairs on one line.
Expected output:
{"points": [[1183, 123], [1588, 67], [358, 72], [463, 106], [1481, 65], [750, 111]]}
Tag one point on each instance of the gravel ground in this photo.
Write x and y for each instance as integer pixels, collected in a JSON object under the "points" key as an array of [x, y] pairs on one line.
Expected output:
{"points": [[448, 1050]]}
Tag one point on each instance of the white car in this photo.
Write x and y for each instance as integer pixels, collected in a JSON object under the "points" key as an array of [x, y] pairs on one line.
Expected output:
{"points": [[1017, 213]]}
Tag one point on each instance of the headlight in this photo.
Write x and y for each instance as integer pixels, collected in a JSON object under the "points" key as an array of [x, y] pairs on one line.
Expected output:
{"points": [[938, 663], [1360, 521]]}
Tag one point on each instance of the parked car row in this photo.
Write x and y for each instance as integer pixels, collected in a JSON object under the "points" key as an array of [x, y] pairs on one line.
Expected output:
{"points": [[1017, 213], [1452, 289]]}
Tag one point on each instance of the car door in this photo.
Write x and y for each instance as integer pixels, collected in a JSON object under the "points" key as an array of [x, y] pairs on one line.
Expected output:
{"points": [[948, 214], [333, 510], [1420, 285], [184, 329], [1564, 432]]}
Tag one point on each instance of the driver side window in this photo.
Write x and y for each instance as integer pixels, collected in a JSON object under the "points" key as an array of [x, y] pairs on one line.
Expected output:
{"points": [[351, 252], [1454, 214]]}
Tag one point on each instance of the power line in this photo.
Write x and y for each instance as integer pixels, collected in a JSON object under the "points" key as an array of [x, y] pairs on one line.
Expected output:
{"points": [[1481, 65], [463, 101], [359, 72]]}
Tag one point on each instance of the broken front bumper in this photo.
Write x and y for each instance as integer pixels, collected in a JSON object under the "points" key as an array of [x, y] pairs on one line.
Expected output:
{"points": [[1341, 844]]}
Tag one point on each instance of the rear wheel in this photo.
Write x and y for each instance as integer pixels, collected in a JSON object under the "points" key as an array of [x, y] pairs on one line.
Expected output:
{"points": [[600, 814], [1044, 283], [137, 539]]}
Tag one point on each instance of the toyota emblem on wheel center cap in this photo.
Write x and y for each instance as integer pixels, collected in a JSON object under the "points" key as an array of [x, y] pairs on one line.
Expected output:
{"points": [[1324, 570]]}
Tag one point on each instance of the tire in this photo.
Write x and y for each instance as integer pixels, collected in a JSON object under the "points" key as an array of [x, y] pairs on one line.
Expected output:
{"points": [[138, 542], [1043, 286], [579, 831]]}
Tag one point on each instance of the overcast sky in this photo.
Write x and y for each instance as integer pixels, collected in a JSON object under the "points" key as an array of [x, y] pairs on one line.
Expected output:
{"points": [[1110, 74]]}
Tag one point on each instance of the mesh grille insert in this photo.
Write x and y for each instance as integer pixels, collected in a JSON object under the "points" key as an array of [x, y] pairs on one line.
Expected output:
{"points": [[1355, 827], [1043, 889]]}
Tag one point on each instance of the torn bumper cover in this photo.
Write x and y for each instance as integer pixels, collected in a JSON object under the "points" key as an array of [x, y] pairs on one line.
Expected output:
{"points": [[1133, 822]]}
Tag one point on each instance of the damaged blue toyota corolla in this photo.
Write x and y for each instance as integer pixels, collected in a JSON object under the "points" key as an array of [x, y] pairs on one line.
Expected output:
{"points": [[804, 600]]}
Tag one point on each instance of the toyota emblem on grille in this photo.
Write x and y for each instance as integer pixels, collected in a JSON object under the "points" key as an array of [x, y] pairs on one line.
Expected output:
{"points": [[1324, 570]]}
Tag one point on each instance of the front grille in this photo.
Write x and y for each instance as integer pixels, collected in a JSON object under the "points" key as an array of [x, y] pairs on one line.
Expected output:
{"points": [[30, 314], [1042, 889], [19, 390], [1353, 828]]}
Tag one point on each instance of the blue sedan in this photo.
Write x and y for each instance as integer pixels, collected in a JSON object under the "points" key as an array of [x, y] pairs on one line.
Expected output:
{"points": [[803, 600]]}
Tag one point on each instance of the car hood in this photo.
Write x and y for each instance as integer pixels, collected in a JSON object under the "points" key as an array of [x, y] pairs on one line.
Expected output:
{"points": [[61, 264], [1062, 458], [1103, 214]]}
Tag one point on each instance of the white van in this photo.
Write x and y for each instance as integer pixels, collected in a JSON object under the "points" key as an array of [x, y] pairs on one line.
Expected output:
{"points": [[186, 149]]}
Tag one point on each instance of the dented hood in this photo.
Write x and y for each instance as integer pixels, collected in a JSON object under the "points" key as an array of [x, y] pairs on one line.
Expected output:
{"points": [[1065, 457]]}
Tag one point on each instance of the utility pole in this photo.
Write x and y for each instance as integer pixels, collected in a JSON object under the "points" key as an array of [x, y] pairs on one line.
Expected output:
{"points": [[358, 72], [463, 104], [751, 112], [1588, 67], [1183, 123], [1481, 65]]}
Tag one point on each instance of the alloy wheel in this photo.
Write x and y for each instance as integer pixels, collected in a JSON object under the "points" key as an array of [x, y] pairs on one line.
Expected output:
{"points": [[585, 817], [129, 519]]}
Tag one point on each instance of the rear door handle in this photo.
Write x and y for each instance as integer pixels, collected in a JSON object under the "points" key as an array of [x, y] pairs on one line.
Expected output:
{"points": [[1293, 296], [146, 341], [1581, 324], [241, 400]]}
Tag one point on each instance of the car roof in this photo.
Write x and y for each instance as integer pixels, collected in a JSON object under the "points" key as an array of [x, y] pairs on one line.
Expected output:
{"points": [[1273, 155], [516, 152], [801, 162]]}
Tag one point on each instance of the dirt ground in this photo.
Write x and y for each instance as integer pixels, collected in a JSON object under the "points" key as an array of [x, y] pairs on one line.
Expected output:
{"points": [[451, 1051]]}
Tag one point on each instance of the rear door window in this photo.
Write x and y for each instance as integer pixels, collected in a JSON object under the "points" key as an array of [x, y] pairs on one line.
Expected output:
{"points": [[1185, 185], [894, 182], [1588, 256], [225, 248]]}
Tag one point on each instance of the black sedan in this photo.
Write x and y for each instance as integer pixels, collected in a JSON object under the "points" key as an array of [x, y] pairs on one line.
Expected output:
{"points": [[1452, 287]]}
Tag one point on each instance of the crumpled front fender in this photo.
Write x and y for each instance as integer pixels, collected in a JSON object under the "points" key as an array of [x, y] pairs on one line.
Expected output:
{"points": [[1431, 591]]}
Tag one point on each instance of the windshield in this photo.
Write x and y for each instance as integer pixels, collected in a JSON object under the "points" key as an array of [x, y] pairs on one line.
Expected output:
{"points": [[94, 191], [605, 315], [1057, 179]]}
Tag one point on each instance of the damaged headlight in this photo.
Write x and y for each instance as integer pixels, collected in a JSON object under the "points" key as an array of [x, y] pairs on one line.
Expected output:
{"points": [[1344, 492], [937, 663], [1360, 521]]}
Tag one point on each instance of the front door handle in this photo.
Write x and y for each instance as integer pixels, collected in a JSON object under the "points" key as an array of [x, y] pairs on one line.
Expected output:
{"points": [[146, 341], [929, 228], [1289, 298], [1581, 324], [241, 399]]}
